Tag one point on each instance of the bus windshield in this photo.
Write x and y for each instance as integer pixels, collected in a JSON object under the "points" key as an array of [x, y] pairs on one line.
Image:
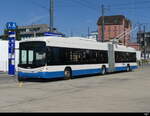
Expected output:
{"points": [[32, 54]]}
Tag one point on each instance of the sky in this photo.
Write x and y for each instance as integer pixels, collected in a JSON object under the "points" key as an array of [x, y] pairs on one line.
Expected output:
{"points": [[72, 16]]}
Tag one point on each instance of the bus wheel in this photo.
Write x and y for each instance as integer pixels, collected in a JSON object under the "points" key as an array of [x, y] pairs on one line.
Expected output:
{"points": [[20, 79], [103, 70], [128, 68], [68, 73]]}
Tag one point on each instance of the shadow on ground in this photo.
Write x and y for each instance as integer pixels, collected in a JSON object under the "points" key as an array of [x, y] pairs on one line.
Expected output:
{"points": [[37, 80]]}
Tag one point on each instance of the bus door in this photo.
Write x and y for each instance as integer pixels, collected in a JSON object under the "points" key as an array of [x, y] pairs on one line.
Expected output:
{"points": [[111, 58]]}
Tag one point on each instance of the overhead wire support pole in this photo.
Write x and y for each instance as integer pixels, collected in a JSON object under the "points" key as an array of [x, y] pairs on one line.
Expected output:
{"points": [[144, 40], [51, 15], [88, 32], [103, 24]]}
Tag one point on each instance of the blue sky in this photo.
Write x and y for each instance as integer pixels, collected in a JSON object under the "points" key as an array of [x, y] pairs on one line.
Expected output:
{"points": [[72, 15]]}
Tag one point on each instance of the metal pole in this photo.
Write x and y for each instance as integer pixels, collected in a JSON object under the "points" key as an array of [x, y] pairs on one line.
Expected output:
{"points": [[71, 33], [124, 37], [34, 34], [103, 24], [51, 15], [144, 40], [88, 32]]}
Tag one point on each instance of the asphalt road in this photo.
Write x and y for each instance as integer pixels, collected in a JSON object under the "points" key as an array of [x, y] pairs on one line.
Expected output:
{"points": [[118, 92], [5, 79]]}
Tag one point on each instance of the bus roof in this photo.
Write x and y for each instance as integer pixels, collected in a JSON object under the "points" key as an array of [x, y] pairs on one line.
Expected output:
{"points": [[79, 42]]}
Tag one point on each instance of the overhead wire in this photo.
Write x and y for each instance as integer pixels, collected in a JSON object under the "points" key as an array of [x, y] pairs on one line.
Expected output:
{"points": [[129, 6], [39, 5], [137, 2], [95, 7], [82, 3]]}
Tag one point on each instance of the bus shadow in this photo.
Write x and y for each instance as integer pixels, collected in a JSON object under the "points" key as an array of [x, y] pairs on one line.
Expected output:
{"points": [[92, 75], [36, 80]]}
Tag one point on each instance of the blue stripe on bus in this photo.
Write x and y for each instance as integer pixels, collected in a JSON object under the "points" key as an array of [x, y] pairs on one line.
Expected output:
{"points": [[125, 68], [42, 75], [120, 68], [85, 72], [60, 74]]}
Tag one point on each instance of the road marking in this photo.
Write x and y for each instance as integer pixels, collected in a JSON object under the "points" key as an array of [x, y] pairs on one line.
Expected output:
{"points": [[20, 84]]}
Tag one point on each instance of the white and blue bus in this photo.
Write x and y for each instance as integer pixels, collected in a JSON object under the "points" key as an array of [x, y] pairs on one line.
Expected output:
{"points": [[59, 57]]}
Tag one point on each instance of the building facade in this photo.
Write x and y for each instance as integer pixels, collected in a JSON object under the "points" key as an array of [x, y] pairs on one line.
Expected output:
{"points": [[30, 31], [115, 27], [37, 30], [134, 45]]}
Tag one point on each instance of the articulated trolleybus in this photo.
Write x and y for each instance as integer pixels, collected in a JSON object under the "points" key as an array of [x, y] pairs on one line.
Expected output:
{"points": [[58, 57]]}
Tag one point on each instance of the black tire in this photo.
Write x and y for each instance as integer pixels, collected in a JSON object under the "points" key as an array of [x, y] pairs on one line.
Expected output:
{"points": [[20, 79], [103, 70], [68, 74]]}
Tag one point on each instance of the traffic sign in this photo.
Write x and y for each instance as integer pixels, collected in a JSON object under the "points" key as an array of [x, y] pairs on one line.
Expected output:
{"points": [[11, 25]]}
